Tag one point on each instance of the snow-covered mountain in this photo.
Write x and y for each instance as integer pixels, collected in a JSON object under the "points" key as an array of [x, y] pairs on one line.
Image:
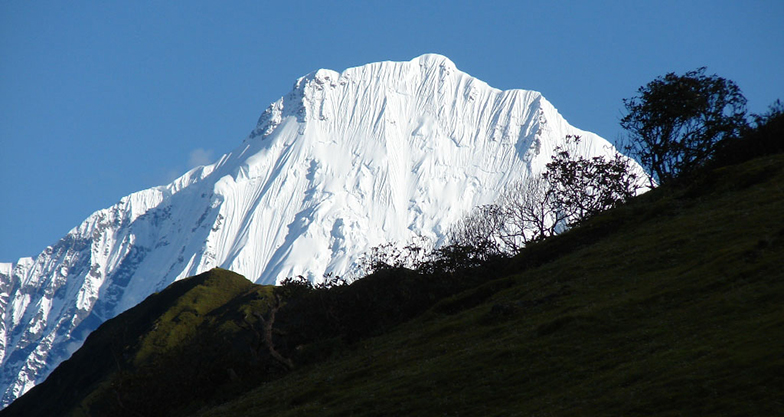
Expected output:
{"points": [[344, 162]]}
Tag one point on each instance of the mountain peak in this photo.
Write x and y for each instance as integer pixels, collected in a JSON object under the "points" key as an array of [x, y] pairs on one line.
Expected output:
{"points": [[383, 152], [432, 59], [430, 82]]}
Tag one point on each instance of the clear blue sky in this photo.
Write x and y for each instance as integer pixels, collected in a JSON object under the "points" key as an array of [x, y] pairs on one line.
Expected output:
{"points": [[101, 99]]}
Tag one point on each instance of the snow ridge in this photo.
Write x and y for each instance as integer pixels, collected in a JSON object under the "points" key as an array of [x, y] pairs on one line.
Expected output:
{"points": [[382, 152]]}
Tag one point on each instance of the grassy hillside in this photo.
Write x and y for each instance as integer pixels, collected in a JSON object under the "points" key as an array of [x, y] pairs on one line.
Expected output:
{"points": [[173, 348], [671, 305]]}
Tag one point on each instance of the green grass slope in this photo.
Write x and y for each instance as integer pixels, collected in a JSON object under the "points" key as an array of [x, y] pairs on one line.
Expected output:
{"points": [[671, 305], [159, 356]]}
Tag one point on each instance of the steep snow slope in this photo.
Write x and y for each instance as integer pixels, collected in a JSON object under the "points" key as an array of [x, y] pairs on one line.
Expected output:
{"points": [[345, 161]]}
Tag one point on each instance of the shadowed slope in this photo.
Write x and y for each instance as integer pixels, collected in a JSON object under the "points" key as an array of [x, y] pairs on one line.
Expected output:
{"points": [[667, 306]]}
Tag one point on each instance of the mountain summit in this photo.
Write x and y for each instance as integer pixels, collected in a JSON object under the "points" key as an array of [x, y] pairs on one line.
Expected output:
{"points": [[345, 161]]}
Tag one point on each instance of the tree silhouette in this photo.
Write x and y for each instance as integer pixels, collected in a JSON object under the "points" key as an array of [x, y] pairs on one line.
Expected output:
{"points": [[676, 121]]}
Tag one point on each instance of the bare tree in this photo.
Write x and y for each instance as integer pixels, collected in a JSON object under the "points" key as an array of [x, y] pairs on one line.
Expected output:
{"points": [[480, 229], [527, 213], [571, 189]]}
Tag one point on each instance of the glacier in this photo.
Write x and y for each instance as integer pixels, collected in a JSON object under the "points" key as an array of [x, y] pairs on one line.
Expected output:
{"points": [[384, 152]]}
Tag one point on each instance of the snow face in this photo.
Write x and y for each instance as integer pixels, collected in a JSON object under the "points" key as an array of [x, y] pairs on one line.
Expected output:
{"points": [[346, 161]]}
